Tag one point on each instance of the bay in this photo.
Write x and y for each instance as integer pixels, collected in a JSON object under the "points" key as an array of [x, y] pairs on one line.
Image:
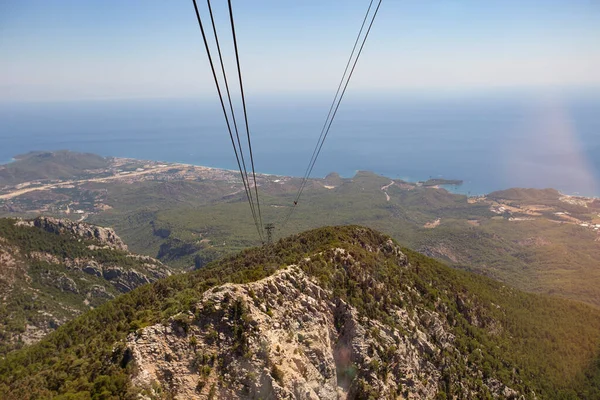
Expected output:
{"points": [[489, 142]]}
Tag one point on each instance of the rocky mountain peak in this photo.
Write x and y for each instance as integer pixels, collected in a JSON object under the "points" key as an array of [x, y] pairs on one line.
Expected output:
{"points": [[333, 313], [287, 337]]}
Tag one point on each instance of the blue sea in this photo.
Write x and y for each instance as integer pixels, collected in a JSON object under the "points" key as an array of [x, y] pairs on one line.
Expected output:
{"points": [[490, 142]]}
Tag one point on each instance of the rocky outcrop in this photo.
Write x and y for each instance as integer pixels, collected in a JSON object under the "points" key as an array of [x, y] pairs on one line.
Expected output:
{"points": [[106, 236], [285, 337], [66, 284], [126, 279], [98, 291], [122, 278], [92, 268]]}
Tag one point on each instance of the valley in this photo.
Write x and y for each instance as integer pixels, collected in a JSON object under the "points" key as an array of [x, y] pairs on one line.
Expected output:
{"points": [[538, 240]]}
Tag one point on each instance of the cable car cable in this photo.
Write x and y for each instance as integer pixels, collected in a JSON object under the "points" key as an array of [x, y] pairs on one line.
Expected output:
{"points": [[306, 173], [212, 67], [237, 58], [231, 104], [324, 136]]}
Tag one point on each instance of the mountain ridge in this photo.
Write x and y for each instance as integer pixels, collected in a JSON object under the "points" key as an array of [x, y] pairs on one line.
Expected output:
{"points": [[534, 345], [43, 165], [53, 269]]}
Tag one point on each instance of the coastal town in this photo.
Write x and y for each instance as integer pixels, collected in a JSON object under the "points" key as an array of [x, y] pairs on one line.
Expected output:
{"points": [[85, 193]]}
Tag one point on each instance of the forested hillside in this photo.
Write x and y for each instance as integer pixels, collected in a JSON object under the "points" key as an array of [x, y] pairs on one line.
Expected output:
{"points": [[471, 336], [52, 270]]}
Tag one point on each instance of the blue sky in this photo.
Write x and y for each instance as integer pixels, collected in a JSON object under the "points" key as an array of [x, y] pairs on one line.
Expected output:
{"points": [[98, 49]]}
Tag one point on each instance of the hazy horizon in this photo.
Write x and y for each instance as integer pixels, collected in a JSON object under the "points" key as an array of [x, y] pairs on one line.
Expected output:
{"points": [[70, 50], [491, 143], [500, 93]]}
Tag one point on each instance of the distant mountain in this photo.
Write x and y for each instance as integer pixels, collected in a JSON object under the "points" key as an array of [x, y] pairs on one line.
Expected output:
{"points": [[522, 194], [337, 312], [52, 270], [43, 165]]}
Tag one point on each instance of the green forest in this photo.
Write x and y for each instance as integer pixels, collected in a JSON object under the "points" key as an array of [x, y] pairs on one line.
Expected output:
{"points": [[547, 346]]}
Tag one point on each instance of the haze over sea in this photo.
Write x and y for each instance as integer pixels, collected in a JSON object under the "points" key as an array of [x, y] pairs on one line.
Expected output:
{"points": [[489, 142]]}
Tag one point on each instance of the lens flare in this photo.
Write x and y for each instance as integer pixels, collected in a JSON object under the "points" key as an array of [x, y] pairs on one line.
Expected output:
{"points": [[547, 152]]}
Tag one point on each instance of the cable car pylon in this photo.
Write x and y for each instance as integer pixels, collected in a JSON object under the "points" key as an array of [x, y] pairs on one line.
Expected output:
{"points": [[269, 228]]}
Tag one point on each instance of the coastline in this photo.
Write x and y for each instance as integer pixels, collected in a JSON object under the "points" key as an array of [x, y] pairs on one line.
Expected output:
{"points": [[79, 183], [452, 188], [409, 141], [458, 189]]}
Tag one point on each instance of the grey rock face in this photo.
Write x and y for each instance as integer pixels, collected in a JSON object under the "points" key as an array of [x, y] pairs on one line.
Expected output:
{"points": [[98, 291], [67, 284], [86, 277], [60, 281], [105, 236], [285, 337], [93, 268]]}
